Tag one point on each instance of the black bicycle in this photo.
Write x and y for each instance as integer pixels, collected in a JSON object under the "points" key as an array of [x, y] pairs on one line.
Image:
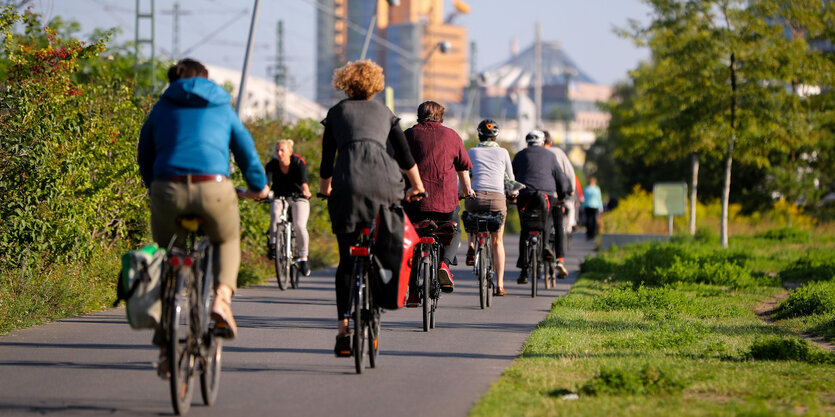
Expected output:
{"points": [[434, 234], [533, 250], [482, 224], [194, 345], [286, 269], [364, 313]]}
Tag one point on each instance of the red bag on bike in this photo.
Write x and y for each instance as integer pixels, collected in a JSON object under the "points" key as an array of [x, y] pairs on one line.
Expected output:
{"points": [[394, 241]]}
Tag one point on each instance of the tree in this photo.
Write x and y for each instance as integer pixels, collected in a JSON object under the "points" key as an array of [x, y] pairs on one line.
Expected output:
{"points": [[718, 83]]}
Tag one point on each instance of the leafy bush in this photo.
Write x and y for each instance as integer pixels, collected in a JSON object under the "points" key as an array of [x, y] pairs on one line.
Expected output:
{"points": [[813, 298], [648, 379], [597, 264], [813, 266], [780, 349], [788, 234], [67, 154], [666, 263]]}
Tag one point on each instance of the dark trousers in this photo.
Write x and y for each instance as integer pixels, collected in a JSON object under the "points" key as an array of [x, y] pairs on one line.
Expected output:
{"points": [[559, 238], [451, 249], [591, 222], [343, 273]]}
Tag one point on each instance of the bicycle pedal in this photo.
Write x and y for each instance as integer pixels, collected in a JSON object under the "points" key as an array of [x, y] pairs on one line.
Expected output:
{"points": [[222, 331]]}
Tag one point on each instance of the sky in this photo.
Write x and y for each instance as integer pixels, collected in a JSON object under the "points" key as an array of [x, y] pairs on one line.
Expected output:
{"points": [[216, 31]]}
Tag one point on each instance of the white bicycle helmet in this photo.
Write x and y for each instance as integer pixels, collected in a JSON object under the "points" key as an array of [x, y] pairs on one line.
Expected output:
{"points": [[535, 137]]}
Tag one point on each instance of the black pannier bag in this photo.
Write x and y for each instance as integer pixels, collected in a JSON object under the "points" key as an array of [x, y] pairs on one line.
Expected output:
{"points": [[490, 221], [534, 209]]}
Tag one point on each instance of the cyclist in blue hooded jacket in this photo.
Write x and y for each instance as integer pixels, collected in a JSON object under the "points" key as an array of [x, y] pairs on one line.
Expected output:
{"points": [[183, 156]]}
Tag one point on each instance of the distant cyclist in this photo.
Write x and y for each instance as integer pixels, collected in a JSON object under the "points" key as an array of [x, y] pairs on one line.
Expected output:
{"points": [[491, 165], [443, 163], [570, 214], [288, 174], [357, 172], [183, 156], [538, 169]]}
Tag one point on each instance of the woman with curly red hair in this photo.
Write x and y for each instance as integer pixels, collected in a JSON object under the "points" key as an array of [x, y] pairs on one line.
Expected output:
{"points": [[357, 173]]}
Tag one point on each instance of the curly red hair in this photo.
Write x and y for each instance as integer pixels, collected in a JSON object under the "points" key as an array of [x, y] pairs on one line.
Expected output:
{"points": [[359, 79]]}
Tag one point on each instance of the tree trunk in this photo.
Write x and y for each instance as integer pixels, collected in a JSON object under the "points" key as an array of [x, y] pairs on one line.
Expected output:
{"points": [[694, 184], [726, 192], [726, 187]]}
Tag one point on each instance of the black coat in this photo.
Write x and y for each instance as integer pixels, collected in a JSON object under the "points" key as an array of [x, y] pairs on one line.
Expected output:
{"points": [[369, 145]]}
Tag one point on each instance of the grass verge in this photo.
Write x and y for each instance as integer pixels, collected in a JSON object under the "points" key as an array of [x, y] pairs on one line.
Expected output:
{"points": [[641, 335]]}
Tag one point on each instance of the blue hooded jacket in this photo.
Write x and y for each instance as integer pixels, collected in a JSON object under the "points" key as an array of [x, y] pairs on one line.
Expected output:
{"points": [[190, 131]]}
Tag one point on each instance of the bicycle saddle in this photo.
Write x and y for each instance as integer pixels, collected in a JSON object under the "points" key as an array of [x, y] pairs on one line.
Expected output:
{"points": [[190, 222]]}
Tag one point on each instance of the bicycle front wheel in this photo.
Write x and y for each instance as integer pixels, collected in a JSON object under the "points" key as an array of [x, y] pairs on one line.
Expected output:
{"points": [[181, 338], [373, 337], [210, 374], [279, 260]]}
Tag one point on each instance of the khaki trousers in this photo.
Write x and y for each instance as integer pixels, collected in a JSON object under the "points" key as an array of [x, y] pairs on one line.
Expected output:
{"points": [[217, 203]]}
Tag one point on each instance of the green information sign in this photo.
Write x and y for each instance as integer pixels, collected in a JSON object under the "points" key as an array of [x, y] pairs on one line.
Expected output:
{"points": [[669, 199]]}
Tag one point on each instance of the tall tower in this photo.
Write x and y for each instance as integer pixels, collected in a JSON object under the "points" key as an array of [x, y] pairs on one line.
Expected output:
{"points": [[411, 62]]}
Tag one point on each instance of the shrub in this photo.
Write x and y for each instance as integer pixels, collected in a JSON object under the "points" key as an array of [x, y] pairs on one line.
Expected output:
{"points": [[597, 264], [787, 234], [780, 349], [813, 266], [813, 298], [647, 379]]}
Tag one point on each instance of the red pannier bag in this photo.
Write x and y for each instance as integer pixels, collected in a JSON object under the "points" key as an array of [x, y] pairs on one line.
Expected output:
{"points": [[394, 241]]}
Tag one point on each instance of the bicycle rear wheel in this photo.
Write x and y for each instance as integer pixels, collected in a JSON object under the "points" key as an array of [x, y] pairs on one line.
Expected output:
{"points": [[426, 276], [360, 326], [181, 338], [533, 265], [483, 290]]}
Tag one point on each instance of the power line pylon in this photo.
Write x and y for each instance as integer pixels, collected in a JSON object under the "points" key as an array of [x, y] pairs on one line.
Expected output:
{"points": [[144, 69]]}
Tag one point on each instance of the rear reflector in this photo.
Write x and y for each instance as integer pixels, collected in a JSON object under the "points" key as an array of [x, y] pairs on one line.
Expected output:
{"points": [[359, 251]]}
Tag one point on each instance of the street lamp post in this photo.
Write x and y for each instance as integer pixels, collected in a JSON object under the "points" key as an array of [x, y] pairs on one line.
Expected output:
{"points": [[444, 47]]}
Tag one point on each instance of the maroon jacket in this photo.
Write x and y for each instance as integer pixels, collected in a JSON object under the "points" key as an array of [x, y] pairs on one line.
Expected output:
{"points": [[439, 154]]}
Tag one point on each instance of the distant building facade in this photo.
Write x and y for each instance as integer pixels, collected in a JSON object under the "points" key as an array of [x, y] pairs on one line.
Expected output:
{"points": [[569, 96], [409, 52]]}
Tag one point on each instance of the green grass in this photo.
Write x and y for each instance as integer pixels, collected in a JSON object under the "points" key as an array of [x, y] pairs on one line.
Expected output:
{"points": [[665, 340]]}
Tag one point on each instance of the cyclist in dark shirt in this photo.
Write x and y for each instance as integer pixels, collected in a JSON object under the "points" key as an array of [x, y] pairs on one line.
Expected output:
{"points": [[537, 168], [443, 164], [288, 174]]}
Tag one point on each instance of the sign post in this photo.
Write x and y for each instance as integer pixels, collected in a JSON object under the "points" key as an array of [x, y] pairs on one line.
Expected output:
{"points": [[669, 199]]}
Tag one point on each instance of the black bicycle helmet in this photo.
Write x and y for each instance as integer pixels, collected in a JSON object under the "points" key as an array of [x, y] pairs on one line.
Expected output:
{"points": [[488, 128]]}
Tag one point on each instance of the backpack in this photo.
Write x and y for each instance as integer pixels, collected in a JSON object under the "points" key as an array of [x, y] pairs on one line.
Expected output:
{"points": [[534, 209], [139, 285], [394, 242]]}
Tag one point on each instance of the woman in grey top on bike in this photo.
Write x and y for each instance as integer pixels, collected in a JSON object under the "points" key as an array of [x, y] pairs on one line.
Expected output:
{"points": [[364, 176], [491, 165]]}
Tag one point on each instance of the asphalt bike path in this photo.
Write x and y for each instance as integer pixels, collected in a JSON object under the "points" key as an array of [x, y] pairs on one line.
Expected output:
{"points": [[282, 362]]}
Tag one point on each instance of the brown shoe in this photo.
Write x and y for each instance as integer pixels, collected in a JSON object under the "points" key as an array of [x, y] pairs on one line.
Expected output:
{"points": [[225, 326], [500, 292]]}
